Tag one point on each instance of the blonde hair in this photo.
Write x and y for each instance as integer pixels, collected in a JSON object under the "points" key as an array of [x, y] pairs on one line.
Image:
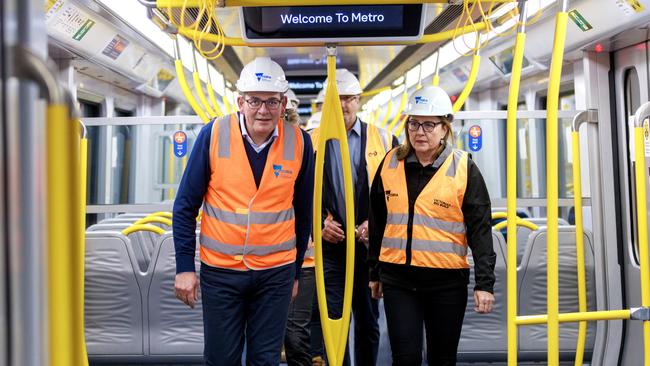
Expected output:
{"points": [[405, 149], [292, 117]]}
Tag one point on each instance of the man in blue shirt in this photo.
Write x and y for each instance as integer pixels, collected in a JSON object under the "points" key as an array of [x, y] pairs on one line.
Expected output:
{"points": [[256, 220]]}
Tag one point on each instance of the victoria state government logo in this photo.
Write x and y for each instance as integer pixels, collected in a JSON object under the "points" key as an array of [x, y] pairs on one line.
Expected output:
{"points": [[281, 173]]}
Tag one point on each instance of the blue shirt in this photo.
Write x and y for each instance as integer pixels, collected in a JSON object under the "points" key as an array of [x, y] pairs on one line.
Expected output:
{"points": [[194, 185], [354, 147]]}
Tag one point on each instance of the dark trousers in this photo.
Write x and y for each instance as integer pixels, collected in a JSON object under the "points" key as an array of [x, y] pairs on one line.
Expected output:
{"points": [[250, 304], [364, 308], [298, 335], [441, 312]]}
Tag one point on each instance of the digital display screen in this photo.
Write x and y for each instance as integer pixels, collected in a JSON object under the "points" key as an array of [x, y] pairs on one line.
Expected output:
{"points": [[332, 22]]}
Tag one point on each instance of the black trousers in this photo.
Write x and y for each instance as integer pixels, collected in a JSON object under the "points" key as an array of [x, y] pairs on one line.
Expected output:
{"points": [[297, 338], [440, 311]]}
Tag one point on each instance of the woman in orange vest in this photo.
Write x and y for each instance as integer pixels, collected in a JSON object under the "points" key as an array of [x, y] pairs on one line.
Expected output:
{"points": [[428, 206]]}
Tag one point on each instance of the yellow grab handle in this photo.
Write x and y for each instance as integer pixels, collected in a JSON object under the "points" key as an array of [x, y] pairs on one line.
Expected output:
{"points": [[156, 219], [198, 86], [389, 109], [518, 222], [180, 73], [166, 214], [552, 106], [143, 227], [213, 100], [469, 85], [511, 198], [398, 115], [335, 331], [501, 215], [63, 234]]}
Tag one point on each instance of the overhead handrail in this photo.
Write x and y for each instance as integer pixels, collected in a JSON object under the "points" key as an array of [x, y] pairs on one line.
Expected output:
{"points": [[642, 217], [400, 109], [166, 214], [511, 184], [153, 219], [180, 73], [552, 107], [469, 84], [198, 86], [238, 42], [518, 222], [335, 331], [144, 227]]}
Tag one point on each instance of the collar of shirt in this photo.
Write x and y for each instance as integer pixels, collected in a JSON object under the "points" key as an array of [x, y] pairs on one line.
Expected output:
{"points": [[356, 128], [437, 163], [244, 132]]}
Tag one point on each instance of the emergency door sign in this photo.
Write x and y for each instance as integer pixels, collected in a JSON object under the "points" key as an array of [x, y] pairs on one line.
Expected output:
{"points": [[475, 137], [180, 144]]}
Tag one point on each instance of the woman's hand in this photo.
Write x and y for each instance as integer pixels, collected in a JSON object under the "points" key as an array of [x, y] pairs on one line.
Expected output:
{"points": [[483, 302], [376, 289]]}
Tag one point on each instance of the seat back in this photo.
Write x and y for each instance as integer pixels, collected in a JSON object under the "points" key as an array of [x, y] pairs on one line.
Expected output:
{"points": [[174, 328], [113, 300], [532, 289], [487, 332]]}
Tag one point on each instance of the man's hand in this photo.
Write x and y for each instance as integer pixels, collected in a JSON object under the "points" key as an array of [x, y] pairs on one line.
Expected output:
{"points": [[362, 233], [483, 302], [294, 290], [332, 231], [376, 289], [186, 287]]}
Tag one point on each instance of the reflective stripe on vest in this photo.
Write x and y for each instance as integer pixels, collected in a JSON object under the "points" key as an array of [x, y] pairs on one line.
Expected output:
{"points": [[438, 238], [243, 226], [378, 143]]}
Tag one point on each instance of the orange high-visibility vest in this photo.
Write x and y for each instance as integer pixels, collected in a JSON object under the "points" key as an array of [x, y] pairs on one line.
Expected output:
{"points": [[378, 142], [438, 239], [243, 226], [310, 255]]}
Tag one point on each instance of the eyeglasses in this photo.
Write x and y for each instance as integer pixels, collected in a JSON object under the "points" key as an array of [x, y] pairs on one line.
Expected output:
{"points": [[427, 126], [347, 98], [271, 104]]}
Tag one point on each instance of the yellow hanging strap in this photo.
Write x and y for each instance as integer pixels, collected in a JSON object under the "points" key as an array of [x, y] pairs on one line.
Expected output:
{"points": [[63, 236], [335, 331], [511, 188], [552, 106], [469, 85], [398, 115], [389, 109], [402, 124], [580, 249], [198, 86], [81, 251], [180, 73]]}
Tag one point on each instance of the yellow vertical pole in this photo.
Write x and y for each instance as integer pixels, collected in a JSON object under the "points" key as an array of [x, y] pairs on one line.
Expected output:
{"points": [[642, 226], [81, 251], [580, 249], [511, 184], [552, 106], [436, 76], [61, 202]]}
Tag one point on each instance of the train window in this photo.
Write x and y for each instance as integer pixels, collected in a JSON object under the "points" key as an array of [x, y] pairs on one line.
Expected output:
{"points": [[92, 109], [632, 95], [122, 161]]}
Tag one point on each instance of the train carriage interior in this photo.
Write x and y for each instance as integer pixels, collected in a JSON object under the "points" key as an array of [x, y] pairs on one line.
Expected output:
{"points": [[102, 101]]}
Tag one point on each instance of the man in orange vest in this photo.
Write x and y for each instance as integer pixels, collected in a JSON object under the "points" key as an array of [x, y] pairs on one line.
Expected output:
{"points": [[253, 175], [367, 145]]}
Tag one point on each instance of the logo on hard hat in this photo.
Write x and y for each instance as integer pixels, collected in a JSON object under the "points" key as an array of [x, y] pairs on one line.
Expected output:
{"points": [[421, 100], [260, 76]]}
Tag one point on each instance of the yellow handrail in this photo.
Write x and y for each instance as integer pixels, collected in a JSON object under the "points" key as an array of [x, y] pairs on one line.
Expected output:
{"points": [[642, 220], [374, 91], [576, 317], [213, 100], [469, 85], [400, 109], [180, 73], [166, 214], [156, 219], [580, 249], [335, 331], [199, 91], [144, 227], [511, 188], [233, 41], [518, 222], [389, 109], [501, 215], [552, 106]]}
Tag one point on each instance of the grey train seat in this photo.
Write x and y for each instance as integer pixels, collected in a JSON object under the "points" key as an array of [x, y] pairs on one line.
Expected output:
{"points": [[174, 328], [113, 300], [486, 333], [532, 291], [524, 232]]}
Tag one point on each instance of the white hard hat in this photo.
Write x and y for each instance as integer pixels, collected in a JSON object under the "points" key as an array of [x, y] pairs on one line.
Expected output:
{"points": [[291, 97], [321, 97], [347, 83], [262, 75], [313, 121], [429, 101]]}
